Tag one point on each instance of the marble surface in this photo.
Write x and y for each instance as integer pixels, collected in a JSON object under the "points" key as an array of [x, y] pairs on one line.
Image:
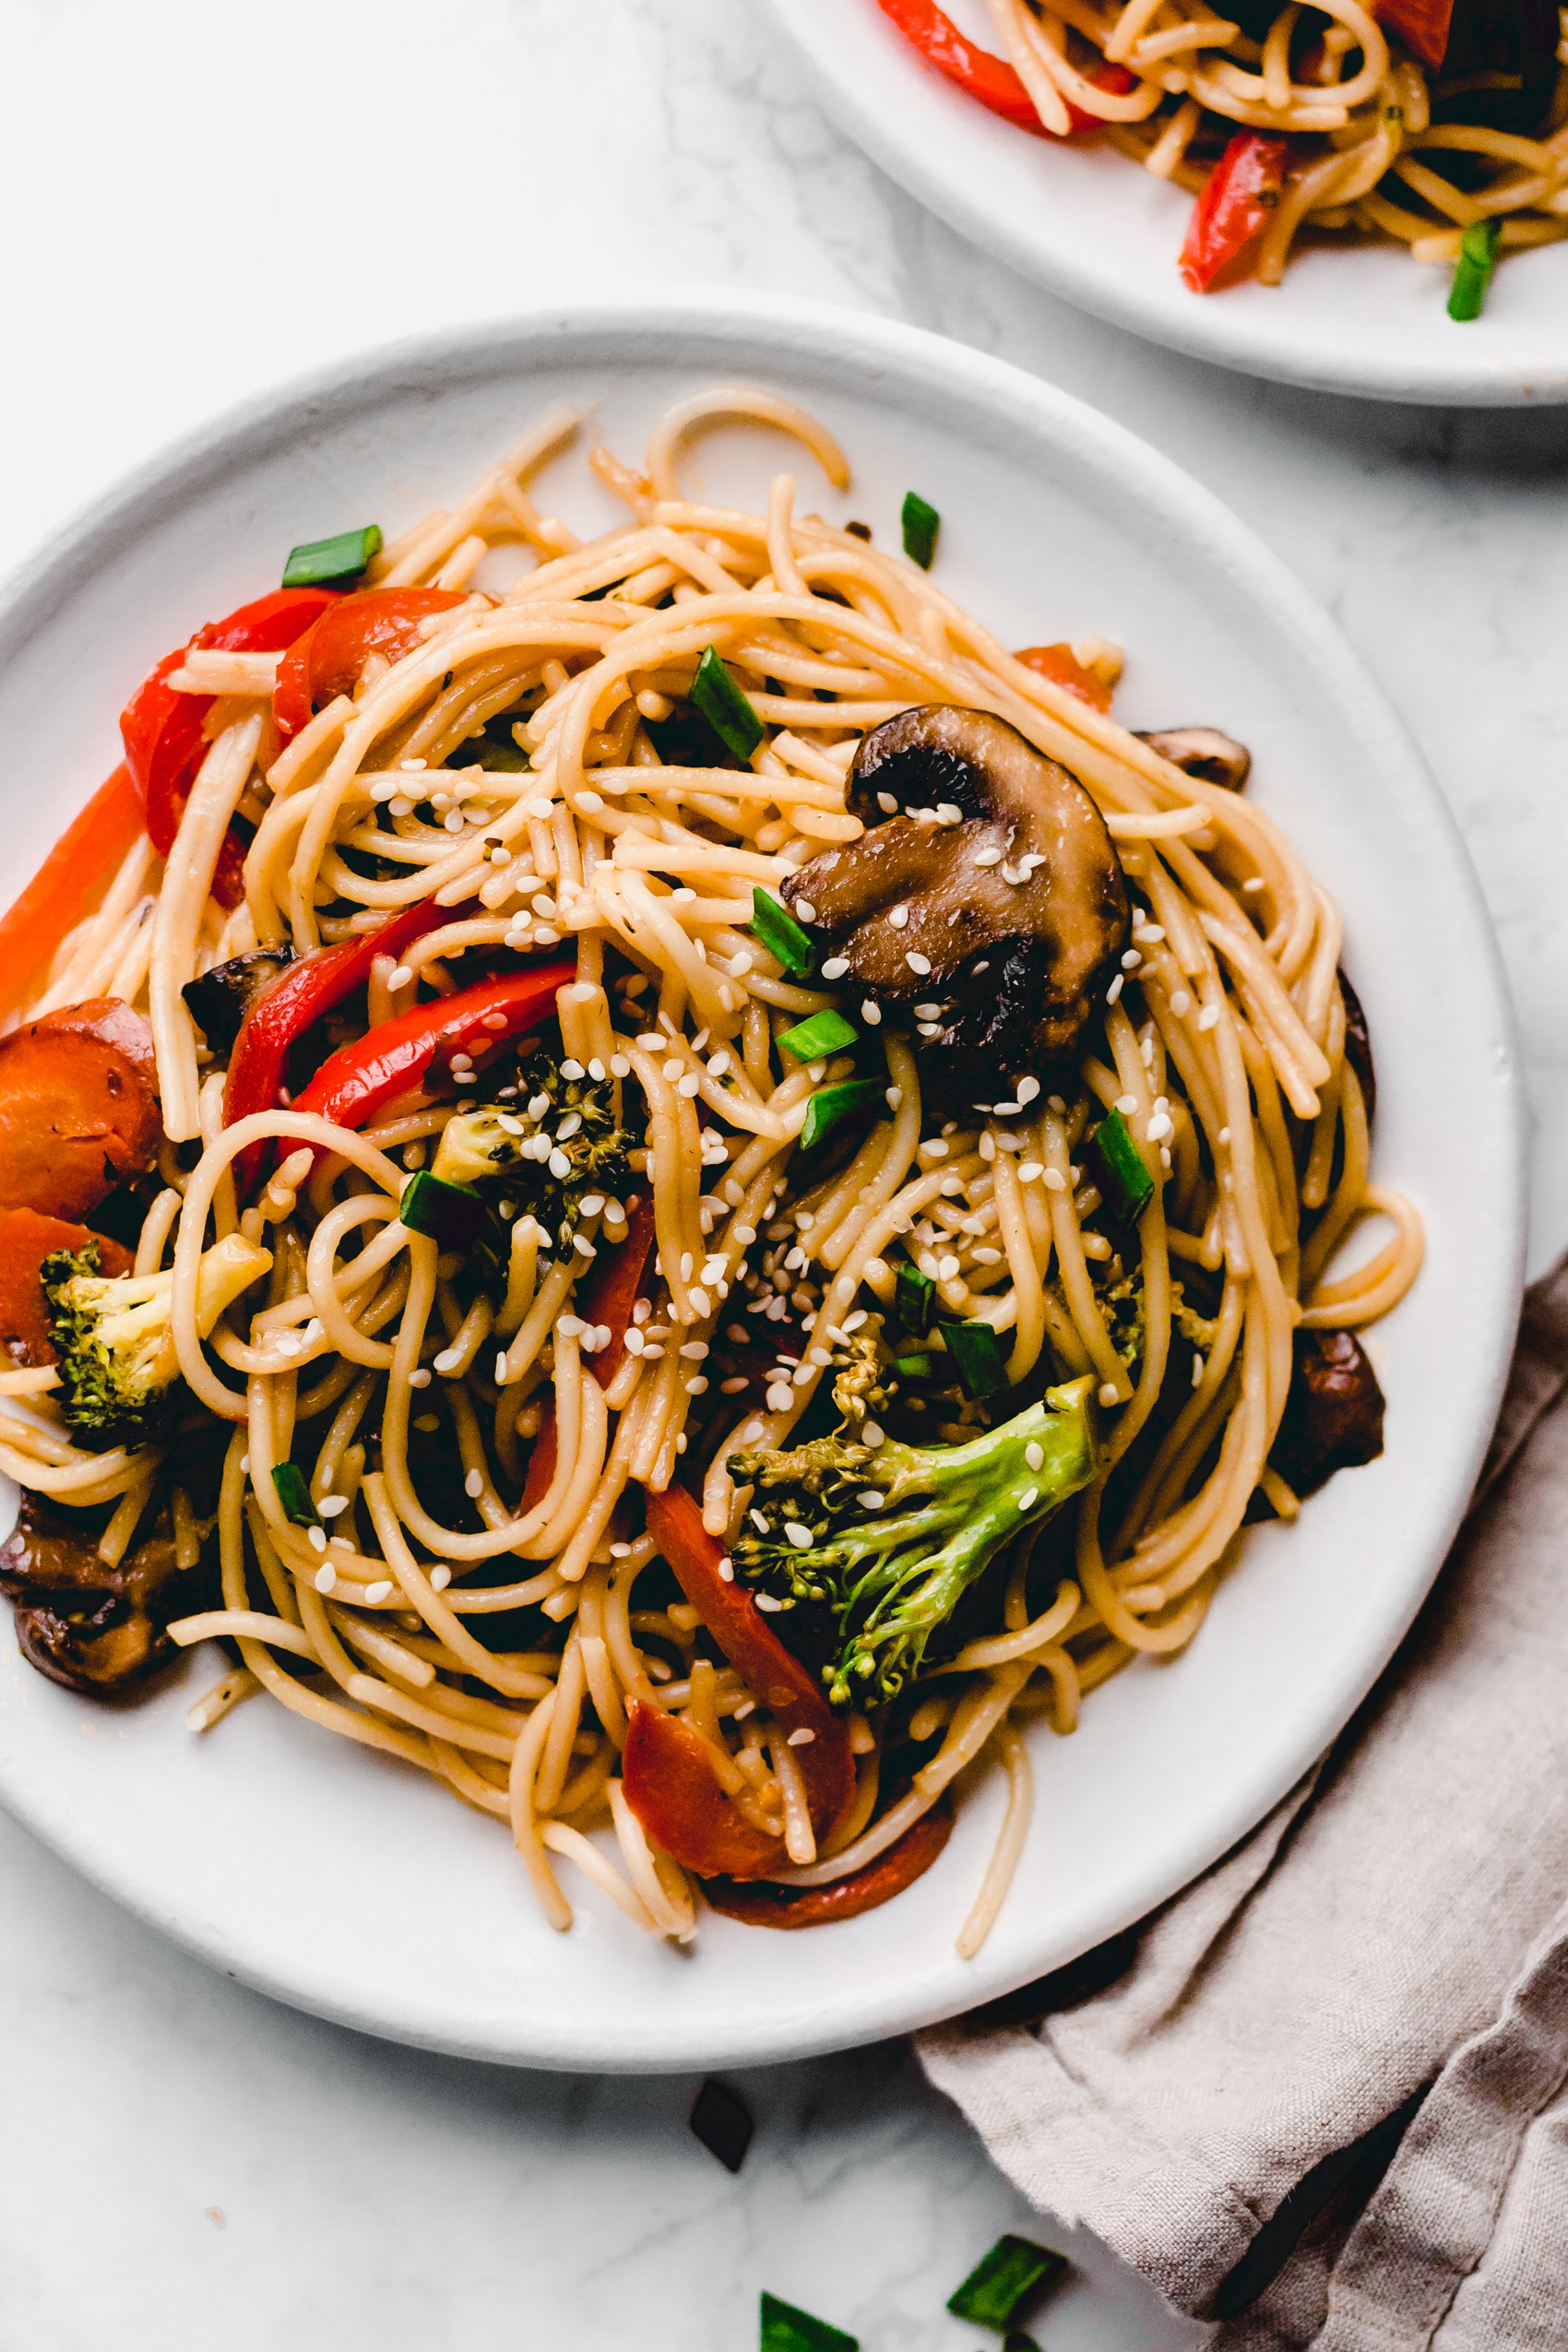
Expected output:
{"points": [[203, 201]]}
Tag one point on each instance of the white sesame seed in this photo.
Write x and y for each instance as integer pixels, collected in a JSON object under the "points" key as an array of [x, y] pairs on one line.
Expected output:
{"points": [[447, 1360], [767, 1601], [688, 1086], [1115, 991], [559, 1165], [326, 1576], [1131, 960], [779, 1399], [619, 1066], [726, 1570], [751, 1431], [1225, 1134], [801, 1739], [376, 1594], [801, 1537], [500, 1369], [872, 1435], [1199, 1368], [947, 1268], [1027, 1090], [1109, 1392], [887, 804], [329, 1506], [1208, 1019], [314, 1536], [899, 917], [245, 1465], [696, 1387], [1054, 1181], [1035, 1455], [1028, 1498], [1160, 1127], [836, 967], [1253, 882], [440, 1578], [1029, 1171], [805, 910], [420, 1379]]}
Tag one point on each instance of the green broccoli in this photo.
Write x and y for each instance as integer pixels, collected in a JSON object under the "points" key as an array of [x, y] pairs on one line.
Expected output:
{"points": [[889, 1536], [554, 1143], [117, 1362]]}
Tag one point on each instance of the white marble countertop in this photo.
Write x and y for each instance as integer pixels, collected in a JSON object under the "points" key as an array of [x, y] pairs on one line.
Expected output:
{"points": [[183, 185]]}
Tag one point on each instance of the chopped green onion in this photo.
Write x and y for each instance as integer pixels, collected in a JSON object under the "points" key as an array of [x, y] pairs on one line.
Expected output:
{"points": [[1126, 1185], [831, 1106], [289, 1480], [719, 700], [914, 1299], [974, 1351], [321, 560], [448, 1214], [780, 933], [785, 2329], [920, 1367], [1472, 271], [826, 1032], [921, 524], [1004, 2279]]}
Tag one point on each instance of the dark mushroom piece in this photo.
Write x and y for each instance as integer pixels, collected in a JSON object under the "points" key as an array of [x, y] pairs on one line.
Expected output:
{"points": [[1357, 1046], [1204, 753], [985, 880], [1333, 1418], [220, 1000], [86, 1625]]}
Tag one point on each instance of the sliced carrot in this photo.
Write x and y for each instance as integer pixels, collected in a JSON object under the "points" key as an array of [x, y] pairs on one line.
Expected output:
{"points": [[67, 884]]}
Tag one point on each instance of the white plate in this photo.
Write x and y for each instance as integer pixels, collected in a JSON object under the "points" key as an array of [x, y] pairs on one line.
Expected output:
{"points": [[1091, 226], [337, 1879]]}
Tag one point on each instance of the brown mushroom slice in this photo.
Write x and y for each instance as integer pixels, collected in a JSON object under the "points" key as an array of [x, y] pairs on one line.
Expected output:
{"points": [[1357, 1045], [86, 1625], [1204, 753], [1333, 1418], [986, 882]]}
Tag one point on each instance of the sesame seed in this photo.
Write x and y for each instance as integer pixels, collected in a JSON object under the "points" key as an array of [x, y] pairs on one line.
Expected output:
{"points": [[899, 917], [327, 1575], [872, 1435], [1027, 1090], [500, 1375], [1115, 991], [801, 1739], [330, 1505], [805, 910], [1054, 1181], [836, 967], [619, 1066], [726, 1570], [559, 1165], [1199, 1368], [1109, 1392], [767, 1601], [1160, 1127], [751, 1431], [887, 804], [1035, 1456], [779, 1399], [440, 1578], [801, 1537], [1208, 1019], [947, 1268], [447, 1360], [316, 1537], [1225, 1134], [1131, 960], [698, 1386], [688, 1086], [893, 1098], [1028, 1498], [1253, 882], [376, 1594], [420, 1379]]}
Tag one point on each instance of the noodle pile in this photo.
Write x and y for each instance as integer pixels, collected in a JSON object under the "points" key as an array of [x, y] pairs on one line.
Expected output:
{"points": [[1370, 154], [1223, 1042]]}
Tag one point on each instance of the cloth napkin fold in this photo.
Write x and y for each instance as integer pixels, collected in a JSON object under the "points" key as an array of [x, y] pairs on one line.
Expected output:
{"points": [[1374, 1982]]}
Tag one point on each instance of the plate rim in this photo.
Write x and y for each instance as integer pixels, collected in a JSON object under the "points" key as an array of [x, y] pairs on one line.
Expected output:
{"points": [[1199, 329], [35, 592]]}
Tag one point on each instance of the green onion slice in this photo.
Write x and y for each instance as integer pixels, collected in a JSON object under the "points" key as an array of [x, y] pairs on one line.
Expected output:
{"points": [[725, 707], [780, 933], [1472, 271], [921, 524], [785, 2329], [1126, 1185], [826, 1032], [1004, 2279], [321, 560], [289, 1481], [914, 1299], [831, 1106], [921, 1367], [448, 1214], [974, 1349]]}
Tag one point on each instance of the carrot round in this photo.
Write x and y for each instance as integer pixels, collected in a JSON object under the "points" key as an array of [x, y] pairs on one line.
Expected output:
{"points": [[79, 1107], [67, 884], [26, 1239]]}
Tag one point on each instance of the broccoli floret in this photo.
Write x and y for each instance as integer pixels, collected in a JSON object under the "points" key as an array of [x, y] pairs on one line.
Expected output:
{"points": [[554, 1142], [117, 1361], [890, 1537]]}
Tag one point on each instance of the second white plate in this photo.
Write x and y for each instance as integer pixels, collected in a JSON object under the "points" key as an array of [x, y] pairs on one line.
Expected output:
{"points": [[1084, 221]]}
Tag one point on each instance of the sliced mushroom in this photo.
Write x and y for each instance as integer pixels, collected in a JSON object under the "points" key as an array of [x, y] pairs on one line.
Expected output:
{"points": [[1333, 1418], [1204, 753], [220, 1000], [84, 1624], [985, 880]]}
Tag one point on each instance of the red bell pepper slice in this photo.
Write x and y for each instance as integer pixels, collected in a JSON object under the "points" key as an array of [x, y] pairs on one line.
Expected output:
{"points": [[846, 1898], [1233, 203], [1422, 25], [327, 660], [299, 998], [991, 80], [162, 731], [778, 1680], [612, 1293], [1061, 666], [359, 1079], [69, 883]]}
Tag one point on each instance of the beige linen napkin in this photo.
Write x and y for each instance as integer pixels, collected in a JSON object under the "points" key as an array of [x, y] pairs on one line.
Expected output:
{"points": [[1398, 1926]]}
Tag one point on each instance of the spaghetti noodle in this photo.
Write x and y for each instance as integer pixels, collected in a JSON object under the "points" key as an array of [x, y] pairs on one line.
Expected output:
{"points": [[506, 1219]]}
